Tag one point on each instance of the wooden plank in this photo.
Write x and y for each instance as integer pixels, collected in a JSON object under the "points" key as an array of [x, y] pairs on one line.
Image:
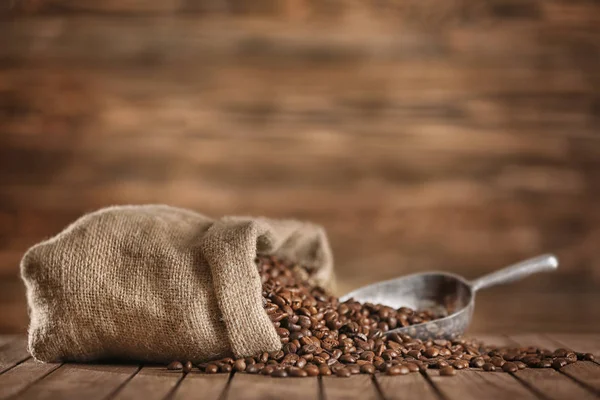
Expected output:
{"points": [[257, 387], [412, 386], [150, 383], [13, 353], [477, 385], [21, 376], [80, 381], [209, 387], [585, 373], [585, 343], [5, 339], [335, 388], [554, 385]]}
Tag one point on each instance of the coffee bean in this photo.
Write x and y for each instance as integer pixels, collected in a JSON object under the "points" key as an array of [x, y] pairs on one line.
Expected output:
{"points": [[268, 370], [571, 357], [367, 369], [301, 362], [559, 363], [175, 366], [254, 368], [353, 368], [460, 364], [225, 368], [431, 352], [477, 362], [279, 373], [312, 370], [509, 367], [187, 366], [589, 357], [343, 373], [240, 365], [324, 370], [297, 372], [397, 370], [447, 371], [497, 361], [488, 367], [413, 367], [347, 359], [545, 363], [520, 364]]}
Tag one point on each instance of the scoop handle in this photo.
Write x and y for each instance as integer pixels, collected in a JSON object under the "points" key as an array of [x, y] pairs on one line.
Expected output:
{"points": [[546, 262]]}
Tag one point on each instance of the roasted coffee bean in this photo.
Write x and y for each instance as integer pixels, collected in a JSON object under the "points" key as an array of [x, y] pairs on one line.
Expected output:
{"points": [[225, 368], [312, 370], [297, 372], [460, 364], [545, 363], [447, 371], [558, 363], [279, 373], [367, 369], [497, 361], [397, 370], [175, 366], [187, 366], [353, 368], [324, 370], [489, 367], [509, 367], [343, 372], [301, 362], [571, 357], [268, 370], [240, 365], [254, 368], [431, 352], [347, 359], [477, 362], [520, 364], [413, 367]]}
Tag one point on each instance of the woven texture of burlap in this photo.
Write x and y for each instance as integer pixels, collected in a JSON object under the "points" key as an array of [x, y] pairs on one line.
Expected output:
{"points": [[156, 283]]}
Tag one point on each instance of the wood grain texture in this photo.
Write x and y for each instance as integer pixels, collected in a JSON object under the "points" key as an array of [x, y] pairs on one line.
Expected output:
{"points": [[150, 383], [257, 387], [13, 353], [586, 373], [412, 386], [210, 387], [423, 136], [18, 378], [83, 381], [335, 388], [584, 343], [480, 385]]}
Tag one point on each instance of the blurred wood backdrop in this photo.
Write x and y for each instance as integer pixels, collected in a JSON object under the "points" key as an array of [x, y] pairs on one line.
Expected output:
{"points": [[460, 135]]}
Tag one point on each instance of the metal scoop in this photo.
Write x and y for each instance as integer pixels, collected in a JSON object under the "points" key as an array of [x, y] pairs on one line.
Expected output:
{"points": [[446, 294]]}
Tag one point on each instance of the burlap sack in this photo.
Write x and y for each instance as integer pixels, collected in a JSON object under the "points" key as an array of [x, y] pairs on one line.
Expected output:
{"points": [[155, 283]]}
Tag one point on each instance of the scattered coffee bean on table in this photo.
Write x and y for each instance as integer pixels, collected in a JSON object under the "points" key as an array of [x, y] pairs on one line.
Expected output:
{"points": [[322, 336]]}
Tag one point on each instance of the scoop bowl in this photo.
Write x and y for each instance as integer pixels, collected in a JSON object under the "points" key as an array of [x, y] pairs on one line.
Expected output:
{"points": [[444, 293]]}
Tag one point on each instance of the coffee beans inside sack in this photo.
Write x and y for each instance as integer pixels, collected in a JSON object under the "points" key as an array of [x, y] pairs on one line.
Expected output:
{"points": [[322, 336]]}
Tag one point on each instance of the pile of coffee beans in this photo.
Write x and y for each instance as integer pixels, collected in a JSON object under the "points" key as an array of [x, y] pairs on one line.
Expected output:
{"points": [[322, 336]]}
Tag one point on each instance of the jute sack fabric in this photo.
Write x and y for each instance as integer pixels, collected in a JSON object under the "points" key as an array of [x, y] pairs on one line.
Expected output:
{"points": [[156, 283]]}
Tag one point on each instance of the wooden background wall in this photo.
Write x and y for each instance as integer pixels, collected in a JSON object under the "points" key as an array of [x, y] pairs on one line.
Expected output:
{"points": [[460, 135]]}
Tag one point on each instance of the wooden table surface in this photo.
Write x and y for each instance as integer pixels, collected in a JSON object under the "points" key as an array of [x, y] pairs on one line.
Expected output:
{"points": [[23, 377]]}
